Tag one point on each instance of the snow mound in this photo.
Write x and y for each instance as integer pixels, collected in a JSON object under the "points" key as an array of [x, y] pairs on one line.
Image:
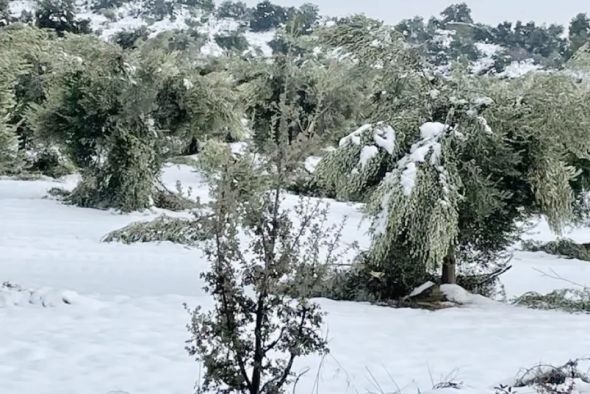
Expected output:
{"points": [[518, 69], [13, 295], [311, 163], [455, 293], [421, 289]]}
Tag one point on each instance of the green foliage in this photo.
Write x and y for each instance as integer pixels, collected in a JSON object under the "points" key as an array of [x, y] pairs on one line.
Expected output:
{"points": [[4, 13], [250, 327], [166, 199], [562, 247], [457, 13], [98, 108], [51, 162], [104, 4], [497, 158], [579, 32], [60, 15], [232, 41], [325, 96], [267, 16], [181, 231], [128, 39], [568, 300], [159, 9], [10, 160], [233, 9]]}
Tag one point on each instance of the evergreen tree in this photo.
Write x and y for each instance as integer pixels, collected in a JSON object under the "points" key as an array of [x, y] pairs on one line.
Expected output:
{"points": [[457, 13], [266, 16], [60, 15], [9, 156], [4, 13], [233, 9], [579, 32]]}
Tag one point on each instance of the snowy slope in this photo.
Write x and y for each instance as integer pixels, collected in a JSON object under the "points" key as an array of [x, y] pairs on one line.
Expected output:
{"points": [[125, 331], [132, 15]]}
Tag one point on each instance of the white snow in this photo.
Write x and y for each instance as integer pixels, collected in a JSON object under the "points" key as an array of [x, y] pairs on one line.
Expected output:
{"points": [[459, 295], [408, 178], [368, 153], [132, 15], [444, 37], [124, 329], [355, 137], [518, 69], [384, 137], [430, 130], [311, 163], [486, 61], [420, 289]]}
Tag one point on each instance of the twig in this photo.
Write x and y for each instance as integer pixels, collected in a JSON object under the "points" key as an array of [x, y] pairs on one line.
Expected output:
{"points": [[556, 276]]}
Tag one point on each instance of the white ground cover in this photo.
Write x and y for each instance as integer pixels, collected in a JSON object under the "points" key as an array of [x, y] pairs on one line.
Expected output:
{"points": [[123, 328]]}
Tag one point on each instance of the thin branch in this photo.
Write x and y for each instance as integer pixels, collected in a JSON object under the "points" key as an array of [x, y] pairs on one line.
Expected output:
{"points": [[556, 276]]}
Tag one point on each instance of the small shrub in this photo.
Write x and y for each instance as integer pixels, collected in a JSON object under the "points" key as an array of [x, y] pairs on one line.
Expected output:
{"points": [[58, 193], [51, 162], [127, 39], [166, 199], [235, 10], [102, 4], [232, 41], [550, 379]]}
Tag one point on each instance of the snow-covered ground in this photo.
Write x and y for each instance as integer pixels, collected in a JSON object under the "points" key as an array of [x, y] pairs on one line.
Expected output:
{"points": [[123, 329], [132, 15]]}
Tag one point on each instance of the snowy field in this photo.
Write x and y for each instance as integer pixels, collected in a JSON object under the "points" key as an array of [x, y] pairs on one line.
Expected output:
{"points": [[123, 330]]}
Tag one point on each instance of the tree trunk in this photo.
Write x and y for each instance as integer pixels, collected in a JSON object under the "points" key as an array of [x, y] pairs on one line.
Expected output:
{"points": [[449, 272]]}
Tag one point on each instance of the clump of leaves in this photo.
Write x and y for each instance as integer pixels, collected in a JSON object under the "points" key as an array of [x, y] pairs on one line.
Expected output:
{"points": [[568, 300], [166, 199], [562, 247], [182, 231]]}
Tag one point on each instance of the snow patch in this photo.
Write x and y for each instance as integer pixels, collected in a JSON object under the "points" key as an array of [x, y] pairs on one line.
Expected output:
{"points": [[519, 69], [456, 293], [368, 153], [355, 137], [432, 130], [311, 163], [12, 296], [384, 137], [421, 289]]}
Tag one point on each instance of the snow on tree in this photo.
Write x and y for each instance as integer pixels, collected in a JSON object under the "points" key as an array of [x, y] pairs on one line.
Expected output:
{"points": [[455, 187]]}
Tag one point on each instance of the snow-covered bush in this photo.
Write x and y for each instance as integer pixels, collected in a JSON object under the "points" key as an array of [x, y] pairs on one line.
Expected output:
{"points": [[60, 15], [176, 230], [569, 300]]}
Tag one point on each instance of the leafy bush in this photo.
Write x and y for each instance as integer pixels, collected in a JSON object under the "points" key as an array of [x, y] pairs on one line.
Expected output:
{"points": [[128, 39], [267, 16], [60, 15], [102, 4], [233, 9], [166, 199], [52, 163], [159, 9], [232, 41]]}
